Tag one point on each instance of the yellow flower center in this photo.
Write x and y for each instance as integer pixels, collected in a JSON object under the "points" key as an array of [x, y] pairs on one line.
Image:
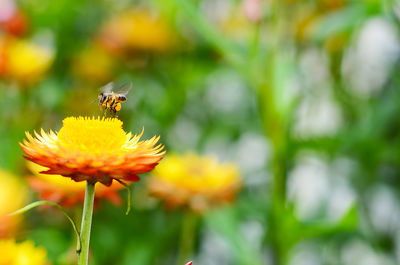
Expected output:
{"points": [[93, 136]]}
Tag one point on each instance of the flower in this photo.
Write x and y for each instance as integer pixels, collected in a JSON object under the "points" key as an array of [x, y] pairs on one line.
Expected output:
{"points": [[24, 253], [64, 191], [14, 22], [12, 197], [252, 9], [136, 30], [14, 55], [194, 181], [93, 149], [93, 63]]}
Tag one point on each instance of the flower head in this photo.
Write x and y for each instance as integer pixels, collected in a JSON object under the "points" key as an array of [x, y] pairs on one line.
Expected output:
{"points": [[93, 149], [65, 191], [12, 197], [138, 30], [94, 64], [194, 181], [12, 253], [14, 55], [14, 22]]}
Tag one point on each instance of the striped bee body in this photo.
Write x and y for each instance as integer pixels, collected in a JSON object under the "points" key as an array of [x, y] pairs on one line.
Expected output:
{"points": [[112, 100]]}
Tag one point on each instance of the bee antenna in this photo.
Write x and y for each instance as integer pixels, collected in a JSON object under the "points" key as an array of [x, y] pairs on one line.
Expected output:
{"points": [[94, 101]]}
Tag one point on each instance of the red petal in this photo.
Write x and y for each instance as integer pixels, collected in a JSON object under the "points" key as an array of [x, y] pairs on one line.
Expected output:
{"points": [[131, 178]]}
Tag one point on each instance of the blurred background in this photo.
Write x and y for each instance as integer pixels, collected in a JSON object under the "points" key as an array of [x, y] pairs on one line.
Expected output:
{"points": [[301, 97]]}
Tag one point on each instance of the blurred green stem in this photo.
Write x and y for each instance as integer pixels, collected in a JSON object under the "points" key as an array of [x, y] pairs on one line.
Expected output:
{"points": [[187, 237], [86, 223]]}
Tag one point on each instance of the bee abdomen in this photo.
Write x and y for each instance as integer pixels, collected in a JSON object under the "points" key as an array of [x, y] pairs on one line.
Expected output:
{"points": [[121, 98]]}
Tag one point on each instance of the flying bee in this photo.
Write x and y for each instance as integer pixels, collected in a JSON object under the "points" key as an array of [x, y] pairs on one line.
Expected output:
{"points": [[112, 100]]}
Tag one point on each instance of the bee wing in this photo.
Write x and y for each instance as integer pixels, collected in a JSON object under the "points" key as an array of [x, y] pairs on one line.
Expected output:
{"points": [[107, 88], [124, 89]]}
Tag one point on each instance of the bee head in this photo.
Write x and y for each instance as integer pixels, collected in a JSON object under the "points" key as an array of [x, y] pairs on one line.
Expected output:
{"points": [[102, 97]]}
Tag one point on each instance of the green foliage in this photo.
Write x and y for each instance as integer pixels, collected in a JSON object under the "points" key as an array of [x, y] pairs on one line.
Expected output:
{"points": [[224, 80]]}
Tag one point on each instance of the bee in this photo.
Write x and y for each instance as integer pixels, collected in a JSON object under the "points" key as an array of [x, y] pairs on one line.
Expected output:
{"points": [[112, 100]]}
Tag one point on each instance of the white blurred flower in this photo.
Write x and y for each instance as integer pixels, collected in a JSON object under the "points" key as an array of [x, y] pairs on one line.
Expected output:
{"points": [[367, 64], [357, 252]]}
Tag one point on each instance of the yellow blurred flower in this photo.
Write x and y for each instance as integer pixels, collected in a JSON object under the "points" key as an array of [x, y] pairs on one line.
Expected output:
{"points": [[93, 63], [194, 181], [136, 30], [93, 149], [13, 195], [24, 253], [65, 191], [24, 61]]}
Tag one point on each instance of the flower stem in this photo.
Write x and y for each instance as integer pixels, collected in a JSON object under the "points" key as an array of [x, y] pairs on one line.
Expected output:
{"points": [[187, 237], [86, 223]]}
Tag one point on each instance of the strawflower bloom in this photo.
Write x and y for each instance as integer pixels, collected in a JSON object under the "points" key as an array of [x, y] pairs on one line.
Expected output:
{"points": [[93, 149], [66, 192], [13, 195], [196, 182], [24, 253]]}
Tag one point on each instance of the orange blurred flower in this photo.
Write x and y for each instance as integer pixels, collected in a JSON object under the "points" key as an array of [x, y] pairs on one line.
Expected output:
{"points": [[13, 195], [136, 30], [3, 57], [93, 149], [194, 181], [66, 192], [24, 253], [12, 19], [15, 23]]}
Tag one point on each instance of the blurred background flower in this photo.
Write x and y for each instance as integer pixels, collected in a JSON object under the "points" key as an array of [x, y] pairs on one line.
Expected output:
{"points": [[94, 64], [195, 182], [13, 196], [23, 253], [136, 30], [24, 61], [13, 21]]}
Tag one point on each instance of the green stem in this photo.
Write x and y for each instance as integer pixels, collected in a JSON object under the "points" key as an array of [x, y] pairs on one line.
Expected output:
{"points": [[187, 238], [86, 223]]}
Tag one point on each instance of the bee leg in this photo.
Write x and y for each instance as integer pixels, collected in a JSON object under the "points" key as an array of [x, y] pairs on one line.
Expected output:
{"points": [[103, 111]]}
